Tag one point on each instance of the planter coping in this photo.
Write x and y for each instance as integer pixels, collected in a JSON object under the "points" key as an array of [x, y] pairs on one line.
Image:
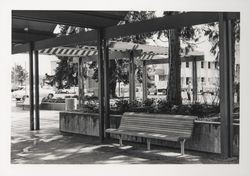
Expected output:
{"points": [[51, 103], [75, 112], [119, 116]]}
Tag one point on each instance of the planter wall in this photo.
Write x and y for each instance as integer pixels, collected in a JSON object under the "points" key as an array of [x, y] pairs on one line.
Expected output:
{"points": [[52, 106], [79, 123], [206, 135]]}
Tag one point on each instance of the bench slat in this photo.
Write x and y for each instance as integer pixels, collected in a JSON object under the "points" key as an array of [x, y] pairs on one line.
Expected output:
{"points": [[159, 130], [184, 117], [156, 126], [128, 122], [145, 134]]}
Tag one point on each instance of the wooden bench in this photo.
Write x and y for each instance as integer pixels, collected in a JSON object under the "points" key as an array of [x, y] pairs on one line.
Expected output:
{"points": [[176, 128]]}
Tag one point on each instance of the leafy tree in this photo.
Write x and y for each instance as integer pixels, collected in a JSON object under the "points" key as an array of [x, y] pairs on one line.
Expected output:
{"points": [[18, 74], [118, 71], [175, 37], [212, 32], [66, 73]]}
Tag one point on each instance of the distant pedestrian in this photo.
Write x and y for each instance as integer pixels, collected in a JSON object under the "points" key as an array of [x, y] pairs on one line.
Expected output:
{"points": [[189, 90]]}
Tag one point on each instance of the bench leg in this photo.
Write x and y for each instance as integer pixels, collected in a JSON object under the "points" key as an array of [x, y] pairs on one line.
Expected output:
{"points": [[120, 140], [148, 144], [182, 146]]}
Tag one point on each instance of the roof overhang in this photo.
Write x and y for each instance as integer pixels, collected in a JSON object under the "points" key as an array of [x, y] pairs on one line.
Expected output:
{"points": [[163, 23]]}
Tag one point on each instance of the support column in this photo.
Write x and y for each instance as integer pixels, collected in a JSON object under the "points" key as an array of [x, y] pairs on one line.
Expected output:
{"points": [[106, 86], [144, 81], [131, 77], [31, 93], [37, 115], [80, 82], [194, 74], [226, 85], [100, 84]]}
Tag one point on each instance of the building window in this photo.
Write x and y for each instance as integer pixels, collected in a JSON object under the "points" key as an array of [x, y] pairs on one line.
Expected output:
{"points": [[187, 80], [209, 65], [202, 64], [162, 77], [202, 79], [187, 64], [216, 64]]}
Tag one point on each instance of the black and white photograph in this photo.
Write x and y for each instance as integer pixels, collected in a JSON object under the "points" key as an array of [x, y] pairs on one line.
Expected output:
{"points": [[112, 87]]}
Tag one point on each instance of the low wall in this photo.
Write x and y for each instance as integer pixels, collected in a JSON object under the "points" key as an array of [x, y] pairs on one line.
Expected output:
{"points": [[206, 135], [52, 106], [79, 123]]}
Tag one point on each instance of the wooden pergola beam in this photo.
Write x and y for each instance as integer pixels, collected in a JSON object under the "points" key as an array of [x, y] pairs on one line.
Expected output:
{"points": [[145, 48], [100, 84], [37, 112], [226, 85], [71, 18], [59, 41], [106, 86], [29, 37], [166, 60], [31, 91], [163, 23]]}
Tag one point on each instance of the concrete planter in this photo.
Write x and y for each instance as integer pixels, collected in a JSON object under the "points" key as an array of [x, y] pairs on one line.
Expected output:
{"points": [[79, 123], [52, 106], [70, 104], [206, 135]]}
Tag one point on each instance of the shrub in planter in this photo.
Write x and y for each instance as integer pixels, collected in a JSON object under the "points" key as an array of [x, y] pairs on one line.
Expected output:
{"points": [[90, 108], [148, 102], [53, 100], [122, 105], [163, 106], [181, 109], [134, 104]]}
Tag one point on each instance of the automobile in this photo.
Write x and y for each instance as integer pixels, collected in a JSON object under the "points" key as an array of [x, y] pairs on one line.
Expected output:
{"points": [[20, 95], [62, 93]]}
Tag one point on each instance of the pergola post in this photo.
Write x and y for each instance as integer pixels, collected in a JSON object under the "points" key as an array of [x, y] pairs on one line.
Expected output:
{"points": [[100, 84], [37, 115], [194, 74], [106, 85], [131, 77], [81, 82], [226, 85], [31, 93], [144, 81]]}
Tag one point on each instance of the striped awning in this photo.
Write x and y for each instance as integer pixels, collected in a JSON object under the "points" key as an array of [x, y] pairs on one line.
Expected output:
{"points": [[116, 50]]}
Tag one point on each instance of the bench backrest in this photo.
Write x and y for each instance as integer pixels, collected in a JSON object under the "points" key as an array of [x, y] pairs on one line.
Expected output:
{"points": [[175, 125]]}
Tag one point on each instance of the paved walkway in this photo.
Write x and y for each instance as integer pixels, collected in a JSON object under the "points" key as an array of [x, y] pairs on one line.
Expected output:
{"points": [[49, 146]]}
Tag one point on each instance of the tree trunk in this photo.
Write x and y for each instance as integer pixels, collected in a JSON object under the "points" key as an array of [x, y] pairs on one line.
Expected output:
{"points": [[174, 83]]}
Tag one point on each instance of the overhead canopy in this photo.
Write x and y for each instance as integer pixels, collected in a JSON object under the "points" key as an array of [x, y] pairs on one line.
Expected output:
{"points": [[30, 25], [107, 21], [24, 31]]}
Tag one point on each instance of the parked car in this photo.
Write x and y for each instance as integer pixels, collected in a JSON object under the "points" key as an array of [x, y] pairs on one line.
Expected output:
{"points": [[24, 93]]}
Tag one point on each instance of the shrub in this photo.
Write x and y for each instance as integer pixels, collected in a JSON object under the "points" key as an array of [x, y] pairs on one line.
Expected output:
{"points": [[148, 102], [122, 105], [53, 100], [163, 106]]}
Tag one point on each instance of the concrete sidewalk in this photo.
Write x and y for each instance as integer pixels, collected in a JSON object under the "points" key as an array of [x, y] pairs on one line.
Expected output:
{"points": [[49, 146]]}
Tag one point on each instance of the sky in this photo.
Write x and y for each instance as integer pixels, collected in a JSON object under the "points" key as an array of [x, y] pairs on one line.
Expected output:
{"points": [[44, 62]]}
